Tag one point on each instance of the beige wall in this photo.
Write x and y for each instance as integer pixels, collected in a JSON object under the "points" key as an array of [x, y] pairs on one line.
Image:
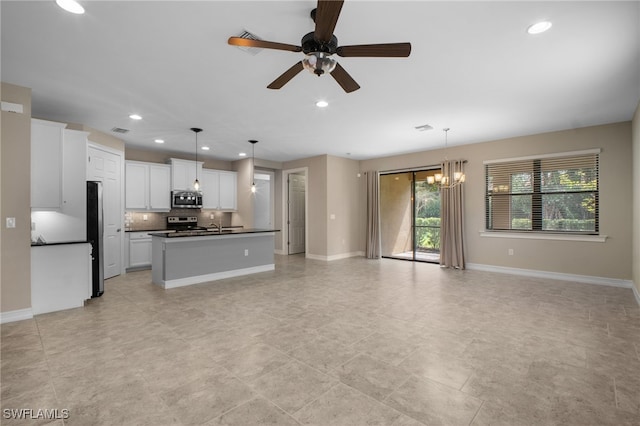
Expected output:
{"points": [[343, 188], [99, 137], [636, 199], [611, 259], [316, 202], [153, 156], [15, 176]]}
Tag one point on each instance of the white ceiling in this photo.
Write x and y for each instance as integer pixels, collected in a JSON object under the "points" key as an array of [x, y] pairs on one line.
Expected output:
{"points": [[473, 68]]}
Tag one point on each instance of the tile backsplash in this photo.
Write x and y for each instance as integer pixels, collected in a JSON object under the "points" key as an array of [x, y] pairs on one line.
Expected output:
{"points": [[134, 221]]}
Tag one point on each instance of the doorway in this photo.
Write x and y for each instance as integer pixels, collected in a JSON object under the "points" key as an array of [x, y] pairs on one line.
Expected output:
{"points": [[295, 208], [410, 216], [105, 165]]}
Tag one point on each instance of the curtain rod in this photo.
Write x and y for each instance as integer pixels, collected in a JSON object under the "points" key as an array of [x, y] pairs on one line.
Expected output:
{"points": [[413, 169]]}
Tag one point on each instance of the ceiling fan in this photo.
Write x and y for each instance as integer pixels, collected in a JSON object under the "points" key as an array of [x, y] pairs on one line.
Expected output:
{"points": [[319, 46]]}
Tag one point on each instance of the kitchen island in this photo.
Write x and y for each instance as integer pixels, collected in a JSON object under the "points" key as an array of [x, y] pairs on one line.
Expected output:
{"points": [[190, 257]]}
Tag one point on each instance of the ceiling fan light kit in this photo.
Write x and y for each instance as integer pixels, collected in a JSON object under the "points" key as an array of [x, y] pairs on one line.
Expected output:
{"points": [[319, 46]]}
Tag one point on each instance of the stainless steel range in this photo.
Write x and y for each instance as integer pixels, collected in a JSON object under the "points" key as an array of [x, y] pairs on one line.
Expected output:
{"points": [[183, 223]]}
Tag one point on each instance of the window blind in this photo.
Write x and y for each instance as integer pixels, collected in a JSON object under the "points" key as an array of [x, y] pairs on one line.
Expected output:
{"points": [[544, 194]]}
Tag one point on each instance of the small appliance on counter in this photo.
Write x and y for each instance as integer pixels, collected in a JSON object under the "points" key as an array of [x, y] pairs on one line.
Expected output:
{"points": [[94, 236], [186, 199]]}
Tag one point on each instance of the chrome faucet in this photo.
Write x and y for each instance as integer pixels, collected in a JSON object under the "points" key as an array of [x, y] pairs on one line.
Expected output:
{"points": [[218, 226]]}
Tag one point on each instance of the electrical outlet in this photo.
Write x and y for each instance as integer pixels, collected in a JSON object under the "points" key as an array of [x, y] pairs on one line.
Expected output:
{"points": [[246, 252], [145, 217], [33, 226], [11, 222], [510, 252], [212, 216]]}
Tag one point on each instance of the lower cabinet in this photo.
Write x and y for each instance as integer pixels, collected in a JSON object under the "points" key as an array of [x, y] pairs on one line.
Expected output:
{"points": [[139, 253]]}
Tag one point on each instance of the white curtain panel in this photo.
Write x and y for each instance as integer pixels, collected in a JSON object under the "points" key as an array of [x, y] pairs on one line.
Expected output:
{"points": [[451, 224], [373, 245]]}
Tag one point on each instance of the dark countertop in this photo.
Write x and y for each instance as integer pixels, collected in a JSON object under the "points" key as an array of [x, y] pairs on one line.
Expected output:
{"points": [[58, 243], [171, 230], [181, 234]]}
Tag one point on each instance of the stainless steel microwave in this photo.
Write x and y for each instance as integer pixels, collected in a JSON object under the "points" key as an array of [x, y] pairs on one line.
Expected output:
{"points": [[186, 199]]}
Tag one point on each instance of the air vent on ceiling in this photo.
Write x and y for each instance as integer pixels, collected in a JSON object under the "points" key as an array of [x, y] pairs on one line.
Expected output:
{"points": [[249, 36], [424, 128], [119, 130]]}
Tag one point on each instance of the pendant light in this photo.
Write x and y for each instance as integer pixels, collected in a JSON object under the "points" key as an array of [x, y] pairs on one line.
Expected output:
{"points": [[253, 143], [458, 177], [196, 183]]}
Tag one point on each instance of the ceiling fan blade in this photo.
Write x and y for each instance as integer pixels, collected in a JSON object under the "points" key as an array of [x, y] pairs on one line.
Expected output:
{"points": [[326, 18], [344, 79], [286, 76], [245, 42], [386, 50]]}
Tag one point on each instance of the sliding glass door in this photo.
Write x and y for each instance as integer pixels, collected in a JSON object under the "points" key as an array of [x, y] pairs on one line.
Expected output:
{"points": [[410, 216]]}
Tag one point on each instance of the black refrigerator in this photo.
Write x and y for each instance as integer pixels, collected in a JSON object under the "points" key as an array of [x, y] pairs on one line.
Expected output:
{"points": [[94, 236]]}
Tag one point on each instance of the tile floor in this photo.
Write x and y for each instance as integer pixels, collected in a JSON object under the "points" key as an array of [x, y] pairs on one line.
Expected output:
{"points": [[350, 342]]}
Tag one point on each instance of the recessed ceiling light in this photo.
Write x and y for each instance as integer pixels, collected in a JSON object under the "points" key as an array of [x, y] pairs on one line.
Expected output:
{"points": [[322, 104], [539, 27], [71, 6], [159, 141], [205, 148], [242, 154], [135, 117]]}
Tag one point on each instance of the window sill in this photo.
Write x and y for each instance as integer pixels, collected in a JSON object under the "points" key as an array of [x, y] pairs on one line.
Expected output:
{"points": [[541, 236]]}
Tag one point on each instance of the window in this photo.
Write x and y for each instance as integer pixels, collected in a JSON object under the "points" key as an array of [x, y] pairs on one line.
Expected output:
{"points": [[551, 193]]}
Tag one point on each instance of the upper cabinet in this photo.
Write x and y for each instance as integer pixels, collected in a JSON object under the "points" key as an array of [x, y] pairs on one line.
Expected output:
{"points": [[228, 190], [219, 190], [58, 168], [46, 164], [183, 174], [147, 186]]}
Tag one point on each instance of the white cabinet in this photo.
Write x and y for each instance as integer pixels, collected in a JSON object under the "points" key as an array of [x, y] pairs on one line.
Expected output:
{"points": [[74, 175], [46, 164], [147, 186], [210, 189], [228, 190], [183, 174], [58, 180], [159, 187], [219, 190], [139, 249]]}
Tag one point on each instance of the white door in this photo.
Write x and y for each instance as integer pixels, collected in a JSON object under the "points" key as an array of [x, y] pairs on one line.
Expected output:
{"points": [[296, 213], [106, 167]]}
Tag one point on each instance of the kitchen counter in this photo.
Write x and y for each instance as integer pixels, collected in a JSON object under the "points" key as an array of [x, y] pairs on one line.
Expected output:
{"points": [[206, 233], [190, 257], [57, 243]]}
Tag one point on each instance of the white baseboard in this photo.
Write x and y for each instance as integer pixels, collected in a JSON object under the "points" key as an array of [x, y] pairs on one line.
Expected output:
{"points": [[335, 256], [17, 315], [588, 279], [181, 282], [281, 252], [636, 293]]}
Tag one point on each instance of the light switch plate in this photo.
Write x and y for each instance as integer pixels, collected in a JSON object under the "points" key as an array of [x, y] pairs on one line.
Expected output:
{"points": [[11, 222]]}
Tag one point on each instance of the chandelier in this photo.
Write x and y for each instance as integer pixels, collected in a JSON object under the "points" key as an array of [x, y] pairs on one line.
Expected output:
{"points": [[444, 180]]}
